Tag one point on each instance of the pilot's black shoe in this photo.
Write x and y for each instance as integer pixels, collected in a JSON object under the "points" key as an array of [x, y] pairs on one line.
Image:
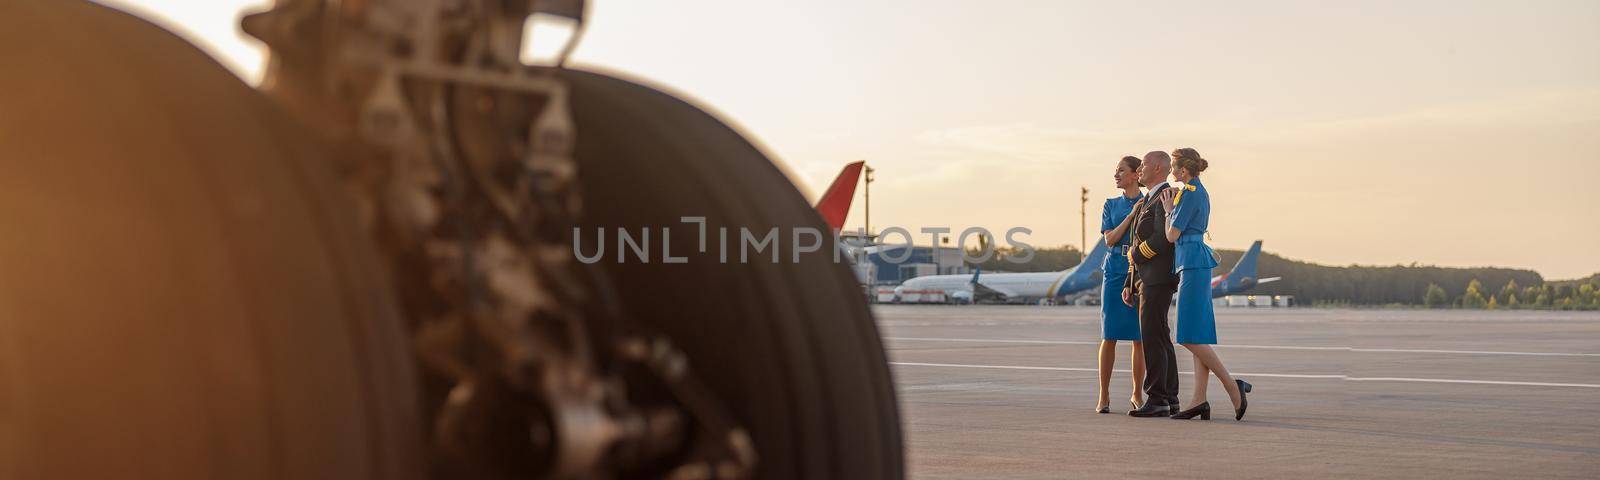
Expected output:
{"points": [[1150, 409]]}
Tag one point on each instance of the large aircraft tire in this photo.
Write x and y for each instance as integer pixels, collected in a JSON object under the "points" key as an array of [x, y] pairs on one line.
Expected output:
{"points": [[789, 347], [186, 292]]}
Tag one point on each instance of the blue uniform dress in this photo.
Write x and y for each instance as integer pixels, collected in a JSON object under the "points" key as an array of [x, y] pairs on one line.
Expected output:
{"points": [[1193, 260], [1118, 321]]}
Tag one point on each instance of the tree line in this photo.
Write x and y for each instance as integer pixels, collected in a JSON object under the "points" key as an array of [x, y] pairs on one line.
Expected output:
{"points": [[1419, 285], [1367, 285], [1577, 294]]}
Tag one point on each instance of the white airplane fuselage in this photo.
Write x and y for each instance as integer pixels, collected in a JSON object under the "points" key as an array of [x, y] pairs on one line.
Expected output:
{"points": [[1011, 285]]}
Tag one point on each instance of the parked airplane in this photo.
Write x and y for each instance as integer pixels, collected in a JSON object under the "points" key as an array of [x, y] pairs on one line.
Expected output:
{"points": [[1243, 275], [1005, 286], [1002, 286]]}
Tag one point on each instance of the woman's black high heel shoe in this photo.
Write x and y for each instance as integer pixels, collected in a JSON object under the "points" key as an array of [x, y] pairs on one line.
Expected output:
{"points": [[1104, 409], [1244, 387], [1203, 410]]}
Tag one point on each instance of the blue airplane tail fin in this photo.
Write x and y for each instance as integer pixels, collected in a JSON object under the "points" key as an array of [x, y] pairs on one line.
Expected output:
{"points": [[1094, 261], [1082, 276], [1246, 268]]}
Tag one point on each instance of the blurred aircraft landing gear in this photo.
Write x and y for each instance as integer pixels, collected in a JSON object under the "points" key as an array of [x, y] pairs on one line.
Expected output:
{"points": [[372, 276]]}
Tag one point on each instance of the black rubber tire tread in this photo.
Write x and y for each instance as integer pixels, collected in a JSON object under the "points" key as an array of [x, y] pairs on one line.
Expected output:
{"points": [[789, 346], [186, 292]]}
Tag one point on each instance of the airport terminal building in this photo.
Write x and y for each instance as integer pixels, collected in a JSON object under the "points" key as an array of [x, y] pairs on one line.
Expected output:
{"points": [[918, 262]]}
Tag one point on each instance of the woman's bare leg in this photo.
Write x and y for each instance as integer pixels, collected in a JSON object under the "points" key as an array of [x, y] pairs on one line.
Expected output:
{"points": [[1108, 357], [1202, 377], [1204, 355], [1138, 373]]}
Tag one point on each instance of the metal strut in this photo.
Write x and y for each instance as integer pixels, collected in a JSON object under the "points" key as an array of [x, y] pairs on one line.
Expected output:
{"points": [[466, 176]]}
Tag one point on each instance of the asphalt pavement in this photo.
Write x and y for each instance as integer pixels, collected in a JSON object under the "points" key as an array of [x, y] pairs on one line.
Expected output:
{"points": [[1008, 392]]}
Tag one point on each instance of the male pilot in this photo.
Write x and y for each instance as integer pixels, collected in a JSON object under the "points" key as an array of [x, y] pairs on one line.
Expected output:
{"points": [[1151, 284]]}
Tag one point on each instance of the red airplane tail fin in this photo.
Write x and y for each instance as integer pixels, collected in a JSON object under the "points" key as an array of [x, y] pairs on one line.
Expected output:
{"points": [[835, 203]]}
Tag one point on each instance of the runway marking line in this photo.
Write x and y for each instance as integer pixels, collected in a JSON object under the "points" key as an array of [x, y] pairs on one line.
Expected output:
{"points": [[1475, 352], [1277, 375], [1264, 347]]}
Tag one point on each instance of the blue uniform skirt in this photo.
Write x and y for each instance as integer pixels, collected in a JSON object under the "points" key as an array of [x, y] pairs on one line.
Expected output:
{"points": [[1118, 321], [1197, 321]]}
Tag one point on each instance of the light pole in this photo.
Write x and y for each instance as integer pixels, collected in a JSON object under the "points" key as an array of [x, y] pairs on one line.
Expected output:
{"points": [[867, 210], [1083, 219], [866, 234]]}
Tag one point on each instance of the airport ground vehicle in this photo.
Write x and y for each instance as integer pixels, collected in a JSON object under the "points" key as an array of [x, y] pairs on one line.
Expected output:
{"points": [[364, 270]]}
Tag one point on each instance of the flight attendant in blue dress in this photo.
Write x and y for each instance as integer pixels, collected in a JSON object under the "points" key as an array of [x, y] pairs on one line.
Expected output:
{"points": [[1118, 321], [1190, 213]]}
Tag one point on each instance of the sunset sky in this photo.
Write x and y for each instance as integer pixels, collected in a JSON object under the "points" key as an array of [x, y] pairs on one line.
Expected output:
{"points": [[1455, 133]]}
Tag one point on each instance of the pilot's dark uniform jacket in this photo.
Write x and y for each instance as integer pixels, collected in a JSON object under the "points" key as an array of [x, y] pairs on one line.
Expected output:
{"points": [[1153, 282], [1152, 255]]}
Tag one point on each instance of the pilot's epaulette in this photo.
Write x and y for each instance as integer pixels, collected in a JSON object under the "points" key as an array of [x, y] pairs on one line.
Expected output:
{"points": [[1179, 197]]}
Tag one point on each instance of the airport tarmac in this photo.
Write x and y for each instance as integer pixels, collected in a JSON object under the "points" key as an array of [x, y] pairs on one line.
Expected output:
{"points": [[1007, 392]]}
